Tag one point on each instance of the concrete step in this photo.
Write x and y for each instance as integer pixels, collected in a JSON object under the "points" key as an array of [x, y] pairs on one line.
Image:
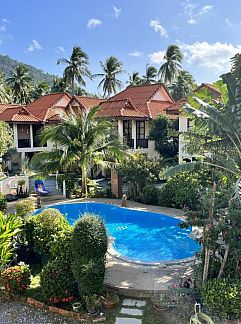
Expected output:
{"points": [[126, 320], [134, 303], [131, 311]]}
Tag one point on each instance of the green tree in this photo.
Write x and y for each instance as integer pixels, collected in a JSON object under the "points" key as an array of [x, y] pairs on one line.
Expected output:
{"points": [[112, 68], [170, 69], [59, 85], [77, 68], [6, 142], [164, 131], [134, 79], [182, 86], [150, 75], [21, 85], [80, 143], [40, 90], [4, 91]]}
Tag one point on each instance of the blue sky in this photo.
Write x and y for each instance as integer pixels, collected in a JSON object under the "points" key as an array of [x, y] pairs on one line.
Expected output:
{"points": [[38, 32]]}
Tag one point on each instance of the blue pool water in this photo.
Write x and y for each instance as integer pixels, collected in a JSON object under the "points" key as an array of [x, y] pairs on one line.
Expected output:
{"points": [[139, 235]]}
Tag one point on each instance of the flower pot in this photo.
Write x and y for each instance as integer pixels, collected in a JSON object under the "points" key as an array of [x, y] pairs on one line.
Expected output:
{"points": [[76, 307], [163, 301], [110, 302]]}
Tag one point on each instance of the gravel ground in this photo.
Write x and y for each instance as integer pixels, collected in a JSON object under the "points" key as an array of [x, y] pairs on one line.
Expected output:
{"points": [[16, 313]]}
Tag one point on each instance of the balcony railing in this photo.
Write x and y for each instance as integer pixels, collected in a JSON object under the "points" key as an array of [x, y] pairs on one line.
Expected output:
{"points": [[22, 143], [130, 142], [142, 143]]}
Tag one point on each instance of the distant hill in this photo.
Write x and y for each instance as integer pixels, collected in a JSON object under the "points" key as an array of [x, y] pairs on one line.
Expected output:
{"points": [[7, 65]]}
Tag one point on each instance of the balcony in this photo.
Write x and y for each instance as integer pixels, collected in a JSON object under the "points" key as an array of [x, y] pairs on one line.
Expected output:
{"points": [[130, 142], [142, 143], [22, 143]]}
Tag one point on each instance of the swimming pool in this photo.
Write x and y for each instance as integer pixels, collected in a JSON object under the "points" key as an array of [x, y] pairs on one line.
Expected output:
{"points": [[139, 235]]}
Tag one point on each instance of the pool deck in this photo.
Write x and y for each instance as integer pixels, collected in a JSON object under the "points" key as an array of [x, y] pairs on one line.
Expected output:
{"points": [[132, 279]]}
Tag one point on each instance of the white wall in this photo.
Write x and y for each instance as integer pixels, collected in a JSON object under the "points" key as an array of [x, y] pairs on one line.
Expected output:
{"points": [[9, 185]]}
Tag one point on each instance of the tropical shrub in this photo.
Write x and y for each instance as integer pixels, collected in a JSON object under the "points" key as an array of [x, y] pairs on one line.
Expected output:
{"points": [[3, 202], [69, 182], [57, 281], [89, 247], [223, 297], [24, 208], [16, 279], [46, 228], [10, 227], [150, 195], [62, 247], [180, 191]]}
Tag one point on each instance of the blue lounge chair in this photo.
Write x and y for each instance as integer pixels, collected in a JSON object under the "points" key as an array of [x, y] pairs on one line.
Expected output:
{"points": [[40, 188]]}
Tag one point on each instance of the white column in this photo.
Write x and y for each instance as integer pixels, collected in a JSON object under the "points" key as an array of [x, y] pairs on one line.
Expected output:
{"points": [[31, 135], [64, 188], [15, 134], [120, 130], [133, 123]]}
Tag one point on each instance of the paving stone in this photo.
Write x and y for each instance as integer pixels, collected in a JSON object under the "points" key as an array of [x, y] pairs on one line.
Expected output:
{"points": [[124, 320], [132, 311], [134, 302]]}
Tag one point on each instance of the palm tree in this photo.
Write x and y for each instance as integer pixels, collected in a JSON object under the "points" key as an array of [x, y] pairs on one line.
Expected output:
{"points": [[111, 69], [81, 142], [150, 76], [4, 93], [40, 90], [59, 85], [182, 86], [77, 68], [21, 85], [170, 69], [134, 79]]}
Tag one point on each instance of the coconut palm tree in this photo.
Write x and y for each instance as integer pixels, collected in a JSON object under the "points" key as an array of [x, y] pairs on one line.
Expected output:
{"points": [[40, 90], [59, 85], [81, 142], [77, 68], [170, 69], [150, 76], [182, 86], [21, 85], [112, 68], [134, 79], [4, 93]]}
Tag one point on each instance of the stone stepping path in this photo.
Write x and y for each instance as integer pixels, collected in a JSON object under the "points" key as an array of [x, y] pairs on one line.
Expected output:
{"points": [[132, 311]]}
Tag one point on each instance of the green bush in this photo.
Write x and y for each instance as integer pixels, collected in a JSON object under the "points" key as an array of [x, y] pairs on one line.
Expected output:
{"points": [[16, 279], [89, 247], [46, 228], [150, 195], [62, 247], [24, 208], [180, 191], [3, 202], [57, 281], [90, 237], [223, 297]]}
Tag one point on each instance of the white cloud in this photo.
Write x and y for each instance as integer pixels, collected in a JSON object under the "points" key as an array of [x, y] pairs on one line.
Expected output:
{"points": [[193, 11], [34, 46], [3, 29], [117, 12], [60, 49], [214, 56], [5, 20], [136, 54], [157, 57], [156, 25], [92, 23], [228, 22]]}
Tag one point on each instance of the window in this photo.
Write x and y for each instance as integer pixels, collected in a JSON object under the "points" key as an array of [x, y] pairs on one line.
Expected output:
{"points": [[127, 129], [140, 130], [190, 123]]}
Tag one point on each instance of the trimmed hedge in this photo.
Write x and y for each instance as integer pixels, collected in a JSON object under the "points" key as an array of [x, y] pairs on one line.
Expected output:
{"points": [[24, 208], [223, 297]]}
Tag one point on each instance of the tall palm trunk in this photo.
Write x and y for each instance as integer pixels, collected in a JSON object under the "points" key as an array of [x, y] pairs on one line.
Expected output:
{"points": [[72, 85], [225, 258], [207, 231], [84, 181]]}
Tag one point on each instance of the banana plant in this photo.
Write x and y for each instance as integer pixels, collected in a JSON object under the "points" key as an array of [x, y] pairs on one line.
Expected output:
{"points": [[10, 227]]}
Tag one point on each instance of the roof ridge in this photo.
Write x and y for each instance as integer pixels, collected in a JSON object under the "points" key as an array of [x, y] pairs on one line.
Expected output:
{"points": [[25, 108]]}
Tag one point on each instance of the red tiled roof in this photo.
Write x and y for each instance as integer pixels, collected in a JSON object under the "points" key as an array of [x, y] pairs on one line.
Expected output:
{"points": [[88, 102], [176, 106], [210, 87], [18, 114], [142, 95], [7, 106], [41, 108], [157, 107], [119, 108]]}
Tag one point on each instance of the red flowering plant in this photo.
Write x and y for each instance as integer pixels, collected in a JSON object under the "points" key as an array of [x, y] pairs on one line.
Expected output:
{"points": [[16, 279]]}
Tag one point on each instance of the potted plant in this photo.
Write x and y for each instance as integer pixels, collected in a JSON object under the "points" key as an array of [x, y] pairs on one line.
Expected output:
{"points": [[164, 300], [76, 307], [92, 304], [110, 300]]}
